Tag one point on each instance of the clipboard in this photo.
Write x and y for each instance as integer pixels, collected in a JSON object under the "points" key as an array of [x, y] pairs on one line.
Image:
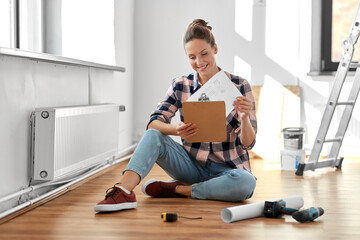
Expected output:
{"points": [[209, 117]]}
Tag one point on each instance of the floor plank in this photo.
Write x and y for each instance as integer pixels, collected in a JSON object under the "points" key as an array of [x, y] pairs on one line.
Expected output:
{"points": [[71, 216]]}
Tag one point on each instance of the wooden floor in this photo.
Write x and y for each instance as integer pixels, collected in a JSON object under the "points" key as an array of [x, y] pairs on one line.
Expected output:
{"points": [[71, 216]]}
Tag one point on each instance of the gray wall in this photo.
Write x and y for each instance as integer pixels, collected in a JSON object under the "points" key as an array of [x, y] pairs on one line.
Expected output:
{"points": [[26, 85]]}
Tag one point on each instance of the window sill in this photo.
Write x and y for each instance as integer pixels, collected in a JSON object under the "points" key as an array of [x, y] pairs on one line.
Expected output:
{"points": [[319, 74], [326, 76], [43, 57]]}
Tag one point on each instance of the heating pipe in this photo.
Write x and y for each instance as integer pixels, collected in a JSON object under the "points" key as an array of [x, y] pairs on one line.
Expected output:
{"points": [[61, 188]]}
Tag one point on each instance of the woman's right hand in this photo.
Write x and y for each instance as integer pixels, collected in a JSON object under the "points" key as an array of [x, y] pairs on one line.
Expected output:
{"points": [[185, 130]]}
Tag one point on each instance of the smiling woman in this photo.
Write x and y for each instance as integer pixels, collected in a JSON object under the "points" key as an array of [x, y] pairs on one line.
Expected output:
{"points": [[200, 47], [202, 170]]}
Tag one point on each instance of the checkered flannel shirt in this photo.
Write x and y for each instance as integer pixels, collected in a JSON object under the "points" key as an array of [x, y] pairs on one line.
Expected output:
{"points": [[231, 152]]}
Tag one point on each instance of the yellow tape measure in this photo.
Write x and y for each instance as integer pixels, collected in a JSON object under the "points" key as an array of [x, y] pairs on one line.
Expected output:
{"points": [[172, 217], [169, 217]]}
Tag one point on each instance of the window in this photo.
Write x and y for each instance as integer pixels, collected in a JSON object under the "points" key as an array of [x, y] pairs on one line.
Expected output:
{"points": [[7, 25], [87, 30], [81, 29], [30, 25], [337, 20]]}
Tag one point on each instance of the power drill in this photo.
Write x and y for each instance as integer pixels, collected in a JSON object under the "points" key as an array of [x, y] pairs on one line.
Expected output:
{"points": [[278, 208], [308, 215]]}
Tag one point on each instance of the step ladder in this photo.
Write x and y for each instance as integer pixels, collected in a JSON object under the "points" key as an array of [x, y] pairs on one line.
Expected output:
{"points": [[333, 159]]}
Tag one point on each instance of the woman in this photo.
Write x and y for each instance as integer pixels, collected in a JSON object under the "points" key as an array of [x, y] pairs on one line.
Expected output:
{"points": [[218, 171]]}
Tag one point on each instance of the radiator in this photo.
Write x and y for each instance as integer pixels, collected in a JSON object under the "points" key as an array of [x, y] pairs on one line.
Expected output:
{"points": [[66, 140]]}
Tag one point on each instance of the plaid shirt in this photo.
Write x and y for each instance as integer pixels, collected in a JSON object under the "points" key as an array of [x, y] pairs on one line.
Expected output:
{"points": [[232, 152]]}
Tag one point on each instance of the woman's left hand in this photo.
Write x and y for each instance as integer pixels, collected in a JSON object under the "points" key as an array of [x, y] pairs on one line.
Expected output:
{"points": [[243, 106]]}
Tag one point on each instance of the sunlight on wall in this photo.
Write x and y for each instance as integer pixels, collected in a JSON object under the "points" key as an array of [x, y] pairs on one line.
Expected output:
{"points": [[278, 107], [89, 34], [243, 18], [291, 106], [242, 68], [282, 36], [269, 120]]}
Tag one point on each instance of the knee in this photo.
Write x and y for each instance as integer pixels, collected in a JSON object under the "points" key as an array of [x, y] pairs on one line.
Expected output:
{"points": [[153, 132], [154, 135], [243, 183]]}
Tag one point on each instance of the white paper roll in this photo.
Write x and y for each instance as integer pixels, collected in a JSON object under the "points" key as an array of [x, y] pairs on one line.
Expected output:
{"points": [[233, 214]]}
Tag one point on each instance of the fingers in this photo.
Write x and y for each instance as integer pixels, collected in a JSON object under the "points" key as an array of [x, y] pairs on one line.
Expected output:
{"points": [[185, 130], [243, 105], [181, 126], [189, 133]]}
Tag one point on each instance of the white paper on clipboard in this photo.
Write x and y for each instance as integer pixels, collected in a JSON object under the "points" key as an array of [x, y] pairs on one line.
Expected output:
{"points": [[218, 88]]}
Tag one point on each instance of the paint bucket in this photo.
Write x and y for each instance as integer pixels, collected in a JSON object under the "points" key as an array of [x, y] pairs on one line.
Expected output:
{"points": [[290, 159], [293, 138]]}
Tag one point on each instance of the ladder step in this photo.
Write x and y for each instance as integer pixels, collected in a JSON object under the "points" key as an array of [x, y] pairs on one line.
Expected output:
{"points": [[346, 103], [339, 139], [323, 163], [354, 65]]}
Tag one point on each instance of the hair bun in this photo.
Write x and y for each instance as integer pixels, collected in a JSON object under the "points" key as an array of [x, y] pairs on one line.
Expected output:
{"points": [[200, 22], [199, 29]]}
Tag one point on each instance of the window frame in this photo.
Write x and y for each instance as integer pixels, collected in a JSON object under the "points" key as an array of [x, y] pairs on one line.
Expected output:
{"points": [[327, 65], [34, 28], [326, 41], [16, 24], [12, 33]]}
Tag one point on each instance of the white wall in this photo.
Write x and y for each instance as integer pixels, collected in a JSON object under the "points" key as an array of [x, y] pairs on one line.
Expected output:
{"points": [[26, 85], [264, 43], [148, 39]]}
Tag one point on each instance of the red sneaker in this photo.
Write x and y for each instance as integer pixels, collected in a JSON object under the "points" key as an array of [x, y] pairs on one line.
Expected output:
{"points": [[157, 188], [116, 199]]}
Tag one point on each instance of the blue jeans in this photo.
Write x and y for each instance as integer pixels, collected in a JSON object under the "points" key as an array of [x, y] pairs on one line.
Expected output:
{"points": [[214, 181]]}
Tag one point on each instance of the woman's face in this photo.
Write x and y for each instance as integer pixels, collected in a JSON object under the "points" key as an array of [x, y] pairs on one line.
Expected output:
{"points": [[202, 58]]}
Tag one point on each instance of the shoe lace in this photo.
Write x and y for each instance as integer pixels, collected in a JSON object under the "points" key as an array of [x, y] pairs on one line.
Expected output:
{"points": [[111, 191]]}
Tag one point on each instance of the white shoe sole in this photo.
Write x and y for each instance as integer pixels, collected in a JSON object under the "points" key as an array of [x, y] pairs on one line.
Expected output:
{"points": [[115, 207], [152, 181]]}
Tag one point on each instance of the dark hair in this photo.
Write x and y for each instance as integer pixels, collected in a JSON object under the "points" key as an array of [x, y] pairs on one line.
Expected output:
{"points": [[199, 29]]}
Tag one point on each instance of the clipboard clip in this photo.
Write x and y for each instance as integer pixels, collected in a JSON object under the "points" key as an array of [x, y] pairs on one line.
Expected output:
{"points": [[203, 98]]}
